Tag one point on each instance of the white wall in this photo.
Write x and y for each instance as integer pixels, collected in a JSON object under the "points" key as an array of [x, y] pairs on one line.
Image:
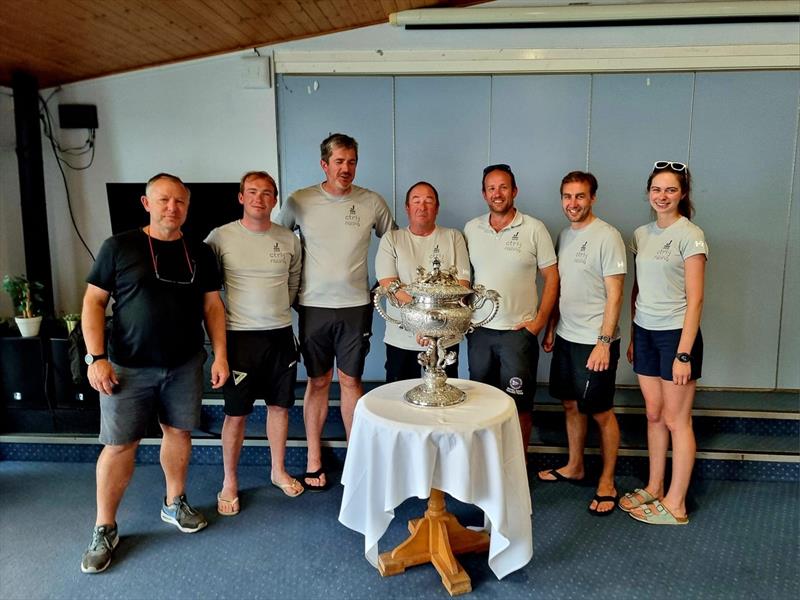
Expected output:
{"points": [[191, 119], [195, 119]]}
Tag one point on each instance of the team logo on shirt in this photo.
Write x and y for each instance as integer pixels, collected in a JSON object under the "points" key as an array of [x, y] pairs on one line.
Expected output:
{"points": [[515, 386], [665, 252], [699, 244], [276, 256], [581, 255], [352, 219], [514, 245]]}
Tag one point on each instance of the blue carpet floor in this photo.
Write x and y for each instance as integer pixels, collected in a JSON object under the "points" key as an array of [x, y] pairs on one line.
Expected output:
{"points": [[743, 542]]}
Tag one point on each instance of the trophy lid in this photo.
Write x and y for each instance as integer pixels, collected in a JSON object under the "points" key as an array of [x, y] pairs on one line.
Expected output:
{"points": [[440, 284]]}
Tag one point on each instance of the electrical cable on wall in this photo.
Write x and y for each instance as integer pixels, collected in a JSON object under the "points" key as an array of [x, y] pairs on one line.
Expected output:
{"points": [[87, 147]]}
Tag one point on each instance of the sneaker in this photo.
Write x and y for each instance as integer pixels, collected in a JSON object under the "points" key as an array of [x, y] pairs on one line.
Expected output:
{"points": [[98, 555], [183, 516]]}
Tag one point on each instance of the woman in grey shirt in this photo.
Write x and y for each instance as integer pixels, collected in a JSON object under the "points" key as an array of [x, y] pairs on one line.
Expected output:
{"points": [[666, 346]]}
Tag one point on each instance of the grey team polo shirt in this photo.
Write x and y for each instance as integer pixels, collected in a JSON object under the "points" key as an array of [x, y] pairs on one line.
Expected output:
{"points": [[401, 252], [507, 261], [660, 273], [335, 232], [585, 257], [261, 271]]}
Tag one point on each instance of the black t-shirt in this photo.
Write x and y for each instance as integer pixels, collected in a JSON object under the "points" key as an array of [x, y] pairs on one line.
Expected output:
{"points": [[157, 319]]}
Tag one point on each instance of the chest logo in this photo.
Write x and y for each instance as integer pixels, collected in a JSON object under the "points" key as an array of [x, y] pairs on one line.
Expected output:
{"points": [[352, 219], [514, 245], [276, 255], [581, 255], [665, 252]]}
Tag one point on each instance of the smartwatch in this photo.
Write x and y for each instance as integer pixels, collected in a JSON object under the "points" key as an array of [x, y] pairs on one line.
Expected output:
{"points": [[604, 339], [92, 358], [684, 357]]}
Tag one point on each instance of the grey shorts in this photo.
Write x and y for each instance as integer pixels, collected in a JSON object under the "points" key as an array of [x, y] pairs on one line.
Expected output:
{"points": [[175, 393], [335, 333], [506, 360]]}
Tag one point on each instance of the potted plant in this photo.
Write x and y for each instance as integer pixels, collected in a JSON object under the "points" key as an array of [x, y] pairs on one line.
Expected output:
{"points": [[71, 320], [26, 299]]}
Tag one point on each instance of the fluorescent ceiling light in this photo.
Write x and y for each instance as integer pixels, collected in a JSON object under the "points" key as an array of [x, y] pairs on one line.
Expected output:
{"points": [[587, 13]]}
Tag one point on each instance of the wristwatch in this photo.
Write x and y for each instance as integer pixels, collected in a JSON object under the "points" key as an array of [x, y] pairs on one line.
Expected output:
{"points": [[92, 358], [604, 339], [684, 357]]}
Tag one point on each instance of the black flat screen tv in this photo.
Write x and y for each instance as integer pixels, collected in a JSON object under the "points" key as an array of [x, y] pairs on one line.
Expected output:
{"points": [[211, 205]]}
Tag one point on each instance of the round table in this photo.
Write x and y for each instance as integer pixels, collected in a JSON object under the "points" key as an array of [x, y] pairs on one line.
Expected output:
{"points": [[473, 451]]}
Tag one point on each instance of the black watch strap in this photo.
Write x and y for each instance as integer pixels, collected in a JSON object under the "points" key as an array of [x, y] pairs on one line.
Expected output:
{"points": [[92, 358], [684, 357]]}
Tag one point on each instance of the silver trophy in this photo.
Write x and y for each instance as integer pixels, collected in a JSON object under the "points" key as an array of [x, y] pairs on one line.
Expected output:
{"points": [[441, 313]]}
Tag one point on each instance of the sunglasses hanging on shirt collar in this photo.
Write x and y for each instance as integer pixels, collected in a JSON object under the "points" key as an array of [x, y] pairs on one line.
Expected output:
{"points": [[189, 261]]}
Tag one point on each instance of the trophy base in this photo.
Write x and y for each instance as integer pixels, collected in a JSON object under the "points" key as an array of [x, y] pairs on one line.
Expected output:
{"points": [[439, 395]]}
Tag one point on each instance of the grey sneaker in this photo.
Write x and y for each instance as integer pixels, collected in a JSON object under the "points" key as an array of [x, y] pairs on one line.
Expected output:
{"points": [[98, 555], [183, 516]]}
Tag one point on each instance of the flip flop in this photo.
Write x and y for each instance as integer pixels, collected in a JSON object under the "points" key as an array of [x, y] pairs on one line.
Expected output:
{"points": [[558, 477], [227, 508], [658, 514], [316, 475], [290, 489], [603, 513], [646, 498]]}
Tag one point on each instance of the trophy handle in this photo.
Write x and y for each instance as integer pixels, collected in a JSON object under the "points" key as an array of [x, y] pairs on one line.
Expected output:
{"points": [[479, 298], [388, 292]]}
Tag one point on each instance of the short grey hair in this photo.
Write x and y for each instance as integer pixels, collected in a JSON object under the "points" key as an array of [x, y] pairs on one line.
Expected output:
{"points": [[168, 177]]}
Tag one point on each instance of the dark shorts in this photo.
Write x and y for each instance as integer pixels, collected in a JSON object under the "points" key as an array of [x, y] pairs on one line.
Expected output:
{"points": [[176, 393], [506, 360], [335, 333], [263, 365], [402, 364], [654, 352], [571, 380]]}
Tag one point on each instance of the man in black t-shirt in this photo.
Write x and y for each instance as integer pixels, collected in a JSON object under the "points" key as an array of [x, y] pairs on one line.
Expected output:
{"points": [[164, 288]]}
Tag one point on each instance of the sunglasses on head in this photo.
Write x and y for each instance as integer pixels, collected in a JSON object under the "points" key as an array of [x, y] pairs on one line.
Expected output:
{"points": [[668, 164], [498, 167]]}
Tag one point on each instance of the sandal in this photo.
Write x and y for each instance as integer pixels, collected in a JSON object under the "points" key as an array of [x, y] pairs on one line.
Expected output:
{"points": [[598, 499], [316, 475], [292, 489], [558, 477], [636, 498], [658, 514], [227, 508]]}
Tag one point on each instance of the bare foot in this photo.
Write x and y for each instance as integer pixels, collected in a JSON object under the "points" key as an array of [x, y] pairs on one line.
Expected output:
{"points": [[564, 472]]}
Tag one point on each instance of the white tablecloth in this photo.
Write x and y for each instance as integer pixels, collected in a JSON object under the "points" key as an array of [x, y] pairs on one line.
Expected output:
{"points": [[472, 451]]}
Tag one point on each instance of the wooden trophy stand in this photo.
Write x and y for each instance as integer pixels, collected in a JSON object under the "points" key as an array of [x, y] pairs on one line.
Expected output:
{"points": [[436, 538]]}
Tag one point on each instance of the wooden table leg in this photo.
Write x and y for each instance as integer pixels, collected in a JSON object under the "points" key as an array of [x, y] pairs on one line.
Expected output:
{"points": [[436, 538]]}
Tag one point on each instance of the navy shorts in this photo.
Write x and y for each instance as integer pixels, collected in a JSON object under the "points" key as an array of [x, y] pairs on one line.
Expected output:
{"points": [[263, 365], [402, 364], [176, 393], [335, 333], [571, 380], [654, 352], [506, 360]]}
